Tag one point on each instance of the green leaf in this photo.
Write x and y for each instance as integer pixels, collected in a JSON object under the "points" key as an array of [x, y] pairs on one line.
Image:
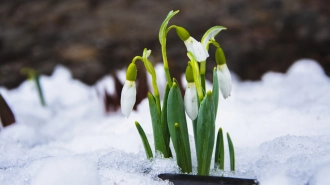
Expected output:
{"points": [[181, 154], [215, 91], [156, 126], [163, 27], [231, 153], [144, 139], [210, 34], [194, 123], [176, 114], [165, 130], [205, 134], [219, 158]]}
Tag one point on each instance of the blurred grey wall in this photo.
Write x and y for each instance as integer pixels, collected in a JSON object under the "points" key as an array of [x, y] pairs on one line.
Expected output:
{"points": [[96, 37]]}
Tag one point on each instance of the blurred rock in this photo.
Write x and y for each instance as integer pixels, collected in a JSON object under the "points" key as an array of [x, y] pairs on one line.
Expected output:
{"points": [[96, 37]]}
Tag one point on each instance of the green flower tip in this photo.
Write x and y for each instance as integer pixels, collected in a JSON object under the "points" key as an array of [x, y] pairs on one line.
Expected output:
{"points": [[174, 84], [176, 125], [189, 74], [137, 123], [220, 56], [131, 72], [31, 73], [209, 93], [183, 33]]}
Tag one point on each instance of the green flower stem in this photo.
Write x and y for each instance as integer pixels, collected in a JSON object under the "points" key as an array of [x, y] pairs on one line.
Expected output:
{"points": [[202, 73], [163, 44], [170, 27], [167, 72], [152, 72], [137, 58], [162, 40], [197, 79], [33, 75], [215, 43], [40, 92], [156, 92]]}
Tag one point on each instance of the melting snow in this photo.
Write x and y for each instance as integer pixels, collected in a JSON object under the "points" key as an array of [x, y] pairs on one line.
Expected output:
{"points": [[280, 127]]}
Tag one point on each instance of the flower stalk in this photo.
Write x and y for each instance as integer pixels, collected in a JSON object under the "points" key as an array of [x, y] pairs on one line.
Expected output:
{"points": [[34, 76]]}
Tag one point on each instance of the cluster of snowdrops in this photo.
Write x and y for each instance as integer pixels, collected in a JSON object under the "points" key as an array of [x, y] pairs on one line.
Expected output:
{"points": [[199, 103]]}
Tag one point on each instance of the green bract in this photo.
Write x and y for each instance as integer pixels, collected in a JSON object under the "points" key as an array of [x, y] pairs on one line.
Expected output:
{"points": [[169, 121], [210, 34], [163, 27]]}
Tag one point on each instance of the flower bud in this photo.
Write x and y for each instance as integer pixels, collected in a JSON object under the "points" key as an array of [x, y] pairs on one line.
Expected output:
{"points": [[220, 56], [128, 93], [128, 97], [131, 72], [189, 74], [183, 33], [224, 80], [191, 101]]}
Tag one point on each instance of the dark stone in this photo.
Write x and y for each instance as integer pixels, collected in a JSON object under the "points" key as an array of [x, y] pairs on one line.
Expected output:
{"points": [[6, 114]]}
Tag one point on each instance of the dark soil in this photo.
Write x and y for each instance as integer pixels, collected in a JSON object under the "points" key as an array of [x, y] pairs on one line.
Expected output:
{"points": [[96, 37]]}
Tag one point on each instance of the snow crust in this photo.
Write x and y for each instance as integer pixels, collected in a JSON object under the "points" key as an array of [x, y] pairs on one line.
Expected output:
{"points": [[280, 127]]}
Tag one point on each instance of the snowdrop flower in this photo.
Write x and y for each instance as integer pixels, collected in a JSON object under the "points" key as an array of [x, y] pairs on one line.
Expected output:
{"points": [[128, 93], [190, 96], [196, 48], [223, 73]]}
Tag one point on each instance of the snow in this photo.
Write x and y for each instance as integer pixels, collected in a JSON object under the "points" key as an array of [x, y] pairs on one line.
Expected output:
{"points": [[69, 170], [279, 125]]}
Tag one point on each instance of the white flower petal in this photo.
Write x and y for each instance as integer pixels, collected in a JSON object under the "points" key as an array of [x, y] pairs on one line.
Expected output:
{"points": [[197, 49], [224, 79], [190, 101], [128, 97]]}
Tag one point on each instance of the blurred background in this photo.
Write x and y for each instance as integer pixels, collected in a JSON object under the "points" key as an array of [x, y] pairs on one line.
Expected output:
{"points": [[96, 37]]}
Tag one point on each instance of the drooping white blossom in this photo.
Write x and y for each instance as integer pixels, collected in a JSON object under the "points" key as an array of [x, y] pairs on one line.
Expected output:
{"points": [[128, 97], [190, 101], [197, 49], [224, 80]]}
